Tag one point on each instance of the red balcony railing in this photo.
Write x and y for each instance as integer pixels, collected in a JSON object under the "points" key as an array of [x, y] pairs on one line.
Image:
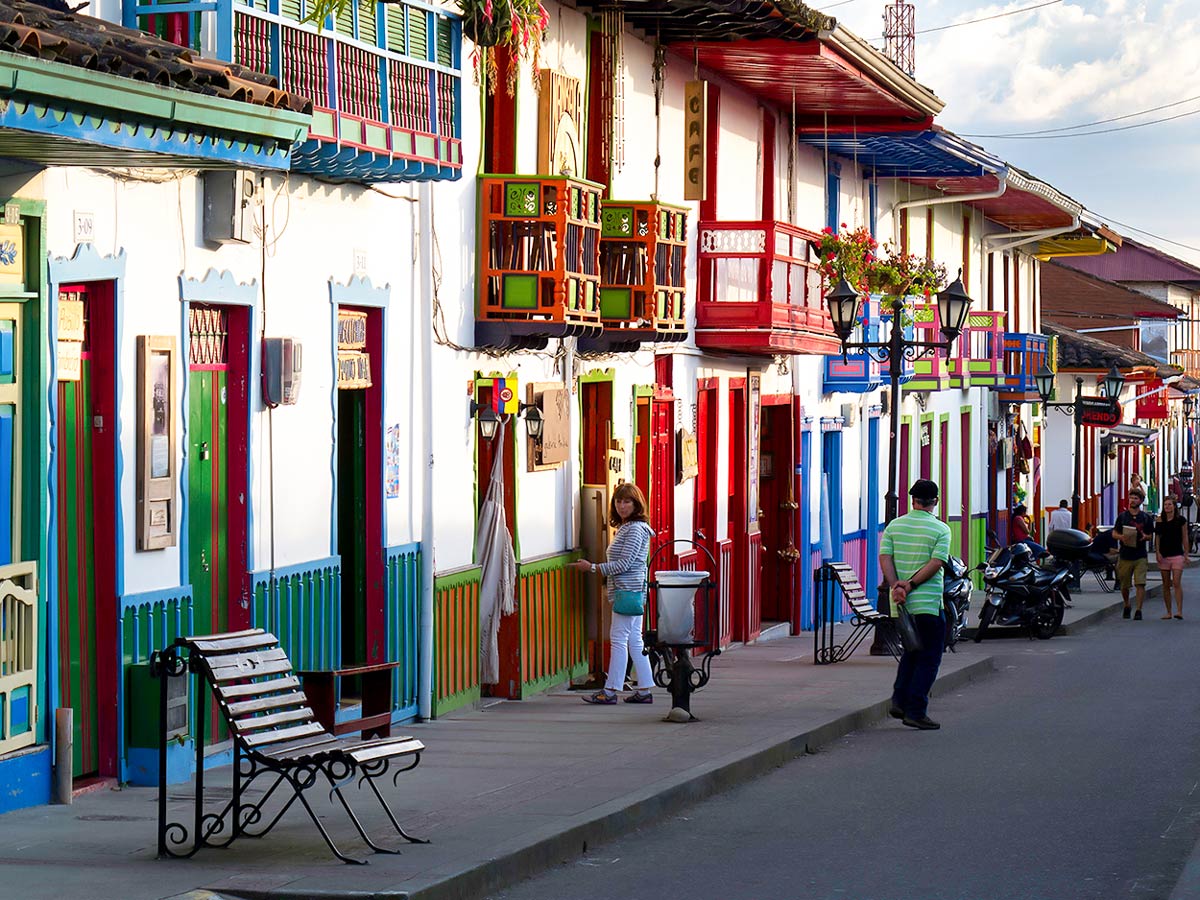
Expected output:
{"points": [[760, 291]]}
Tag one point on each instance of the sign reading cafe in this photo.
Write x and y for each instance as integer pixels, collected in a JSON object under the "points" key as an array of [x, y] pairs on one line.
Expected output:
{"points": [[695, 119]]}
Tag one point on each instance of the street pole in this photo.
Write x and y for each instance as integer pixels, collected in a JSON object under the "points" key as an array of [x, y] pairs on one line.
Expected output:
{"points": [[1078, 450], [891, 506]]}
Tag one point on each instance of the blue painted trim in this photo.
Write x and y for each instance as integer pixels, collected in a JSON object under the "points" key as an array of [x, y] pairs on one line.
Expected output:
{"points": [[54, 119], [264, 576], [806, 574], [358, 292], [871, 525], [218, 287], [86, 264]]}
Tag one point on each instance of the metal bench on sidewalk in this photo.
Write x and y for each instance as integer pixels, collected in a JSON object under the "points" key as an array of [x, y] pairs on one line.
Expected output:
{"points": [[836, 581], [275, 734]]}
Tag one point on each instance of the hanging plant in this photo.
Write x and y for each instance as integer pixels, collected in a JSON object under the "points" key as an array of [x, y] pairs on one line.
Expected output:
{"points": [[854, 256], [516, 25], [849, 255]]}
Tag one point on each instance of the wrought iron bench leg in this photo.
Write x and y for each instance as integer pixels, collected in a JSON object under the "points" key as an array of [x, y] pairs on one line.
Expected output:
{"points": [[336, 790], [372, 770], [299, 787]]}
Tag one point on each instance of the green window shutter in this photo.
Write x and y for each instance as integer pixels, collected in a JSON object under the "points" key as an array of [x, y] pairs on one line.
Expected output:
{"points": [[445, 50], [367, 27], [344, 22], [418, 33], [290, 9], [394, 25]]}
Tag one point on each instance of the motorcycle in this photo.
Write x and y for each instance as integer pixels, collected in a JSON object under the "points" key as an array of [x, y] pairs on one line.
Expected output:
{"points": [[956, 599], [1022, 594]]}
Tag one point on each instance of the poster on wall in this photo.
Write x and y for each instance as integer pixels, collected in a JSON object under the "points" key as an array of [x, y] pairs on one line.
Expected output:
{"points": [[753, 468], [156, 397], [391, 471]]}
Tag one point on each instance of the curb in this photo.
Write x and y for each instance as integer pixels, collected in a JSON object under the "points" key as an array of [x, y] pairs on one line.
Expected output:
{"points": [[619, 817], [1078, 626]]}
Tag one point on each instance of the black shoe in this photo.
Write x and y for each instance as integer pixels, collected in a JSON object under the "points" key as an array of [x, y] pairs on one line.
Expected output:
{"points": [[1125, 613], [896, 712], [924, 723], [1137, 616]]}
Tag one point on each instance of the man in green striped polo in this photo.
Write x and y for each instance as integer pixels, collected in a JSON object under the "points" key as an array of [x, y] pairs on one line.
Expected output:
{"points": [[911, 554]]}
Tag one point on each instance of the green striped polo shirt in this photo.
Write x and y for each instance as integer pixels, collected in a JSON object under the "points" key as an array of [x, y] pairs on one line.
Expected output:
{"points": [[913, 540]]}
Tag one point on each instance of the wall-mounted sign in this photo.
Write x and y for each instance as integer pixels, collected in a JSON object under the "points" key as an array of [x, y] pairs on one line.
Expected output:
{"points": [[560, 110], [85, 227], [551, 450], [70, 361], [354, 363], [156, 442], [12, 254], [695, 156], [687, 456], [1100, 412], [70, 336]]}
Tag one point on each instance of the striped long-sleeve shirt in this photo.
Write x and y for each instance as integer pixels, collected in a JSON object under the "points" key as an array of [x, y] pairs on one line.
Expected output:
{"points": [[626, 566]]}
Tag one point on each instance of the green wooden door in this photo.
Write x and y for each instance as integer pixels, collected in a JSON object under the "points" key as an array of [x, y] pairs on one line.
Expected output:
{"points": [[77, 535], [352, 518], [208, 474]]}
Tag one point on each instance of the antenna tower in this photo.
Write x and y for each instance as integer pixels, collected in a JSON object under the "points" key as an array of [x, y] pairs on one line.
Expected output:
{"points": [[899, 34]]}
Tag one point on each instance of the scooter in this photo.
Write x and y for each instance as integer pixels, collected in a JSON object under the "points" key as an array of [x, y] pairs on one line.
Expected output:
{"points": [[1022, 594], [956, 599]]}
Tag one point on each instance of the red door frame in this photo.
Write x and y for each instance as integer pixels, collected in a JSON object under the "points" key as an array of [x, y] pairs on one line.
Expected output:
{"points": [[101, 312], [237, 430], [782, 523], [704, 522], [736, 527]]}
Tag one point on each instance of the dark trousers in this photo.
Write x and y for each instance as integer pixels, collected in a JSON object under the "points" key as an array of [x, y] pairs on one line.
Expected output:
{"points": [[919, 669]]}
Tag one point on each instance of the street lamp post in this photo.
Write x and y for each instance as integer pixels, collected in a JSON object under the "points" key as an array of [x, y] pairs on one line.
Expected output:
{"points": [[1111, 387], [845, 302]]}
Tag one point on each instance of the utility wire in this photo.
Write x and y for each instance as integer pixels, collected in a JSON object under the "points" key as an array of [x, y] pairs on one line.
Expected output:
{"points": [[1042, 131], [832, 5], [1051, 137], [1157, 237]]}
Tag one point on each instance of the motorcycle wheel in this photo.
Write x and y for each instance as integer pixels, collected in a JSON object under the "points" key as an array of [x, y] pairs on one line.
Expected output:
{"points": [[1048, 618], [985, 619]]}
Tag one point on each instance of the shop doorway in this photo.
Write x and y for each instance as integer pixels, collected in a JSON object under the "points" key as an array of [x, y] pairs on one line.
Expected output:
{"points": [[778, 519], [87, 550], [218, 373], [360, 497], [596, 405], [744, 613]]}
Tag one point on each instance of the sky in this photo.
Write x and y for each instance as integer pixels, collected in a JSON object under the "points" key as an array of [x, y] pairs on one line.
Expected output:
{"points": [[1066, 64]]}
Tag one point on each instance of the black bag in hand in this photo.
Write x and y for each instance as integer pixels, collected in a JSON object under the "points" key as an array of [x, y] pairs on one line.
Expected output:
{"points": [[907, 629]]}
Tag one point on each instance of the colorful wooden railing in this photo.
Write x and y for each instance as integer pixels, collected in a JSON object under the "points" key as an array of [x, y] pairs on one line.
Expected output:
{"points": [[759, 290], [455, 639], [384, 78], [643, 265], [404, 626], [1024, 356], [302, 606], [18, 656], [856, 372], [539, 259], [976, 358], [550, 605]]}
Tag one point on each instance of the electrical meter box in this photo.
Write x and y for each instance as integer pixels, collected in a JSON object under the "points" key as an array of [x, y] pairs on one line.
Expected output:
{"points": [[228, 195], [282, 363]]}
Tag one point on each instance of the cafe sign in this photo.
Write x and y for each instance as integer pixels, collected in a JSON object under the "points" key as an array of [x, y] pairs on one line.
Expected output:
{"points": [[695, 119], [1099, 412]]}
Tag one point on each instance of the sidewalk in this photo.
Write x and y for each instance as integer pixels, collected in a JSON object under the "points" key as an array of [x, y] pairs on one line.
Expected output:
{"points": [[503, 792]]}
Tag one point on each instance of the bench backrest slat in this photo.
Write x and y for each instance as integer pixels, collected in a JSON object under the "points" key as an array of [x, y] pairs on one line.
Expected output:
{"points": [[266, 738], [264, 704], [241, 642], [259, 688], [254, 723]]}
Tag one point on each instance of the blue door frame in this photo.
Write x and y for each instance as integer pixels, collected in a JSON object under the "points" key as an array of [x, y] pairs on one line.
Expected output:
{"points": [[831, 496], [871, 518], [806, 569]]}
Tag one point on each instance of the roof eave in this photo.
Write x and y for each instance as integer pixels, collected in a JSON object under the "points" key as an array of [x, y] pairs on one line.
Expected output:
{"points": [[881, 68]]}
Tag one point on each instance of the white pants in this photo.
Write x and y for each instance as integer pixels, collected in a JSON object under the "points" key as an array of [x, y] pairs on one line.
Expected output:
{"points": [[626, 637]]}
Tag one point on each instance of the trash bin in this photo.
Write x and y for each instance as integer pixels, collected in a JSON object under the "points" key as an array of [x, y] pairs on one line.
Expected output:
{"points": [[676, 605]]}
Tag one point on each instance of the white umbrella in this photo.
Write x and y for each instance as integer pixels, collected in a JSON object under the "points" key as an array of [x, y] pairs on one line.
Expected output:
{"points": [[498, 578]]}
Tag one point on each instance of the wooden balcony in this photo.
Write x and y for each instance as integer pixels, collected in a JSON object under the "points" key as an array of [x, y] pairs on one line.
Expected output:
{"points": [[1188, 360], [975, 360], [759, 290], [539, 260], [384, 79], [1024, 356], [643, 261]]}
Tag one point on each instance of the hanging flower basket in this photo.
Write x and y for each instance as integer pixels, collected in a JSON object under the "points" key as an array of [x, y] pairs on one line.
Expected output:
{"points": [[516, 25]]}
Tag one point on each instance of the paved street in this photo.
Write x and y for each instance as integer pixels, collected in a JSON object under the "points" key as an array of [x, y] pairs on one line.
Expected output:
{"points": [[1073, 773]]}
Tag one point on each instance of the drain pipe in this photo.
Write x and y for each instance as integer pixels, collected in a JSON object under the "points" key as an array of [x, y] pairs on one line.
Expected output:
{"points": [[1005, 242], [1001, 177], [424, 241]]}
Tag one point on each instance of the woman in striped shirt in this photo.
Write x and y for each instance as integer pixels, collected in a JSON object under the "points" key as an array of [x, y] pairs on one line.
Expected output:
{"points": [[625, 572]]}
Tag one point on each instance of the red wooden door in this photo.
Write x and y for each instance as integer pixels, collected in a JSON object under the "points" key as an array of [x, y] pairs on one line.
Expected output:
{"points": [[704, 523], [662, 486], [739, 592], [944, 473], [778, 540]]}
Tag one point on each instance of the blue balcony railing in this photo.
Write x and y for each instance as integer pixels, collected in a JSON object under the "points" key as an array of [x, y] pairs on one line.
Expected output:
{"points": [[385, 79], [1024, 356]]}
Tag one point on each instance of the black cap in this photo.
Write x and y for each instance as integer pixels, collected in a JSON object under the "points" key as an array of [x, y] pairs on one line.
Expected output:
{"points": [[924, 490]]}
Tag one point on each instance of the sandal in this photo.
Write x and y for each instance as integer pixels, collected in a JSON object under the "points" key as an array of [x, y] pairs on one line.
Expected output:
{"points": [[601, 698]]}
